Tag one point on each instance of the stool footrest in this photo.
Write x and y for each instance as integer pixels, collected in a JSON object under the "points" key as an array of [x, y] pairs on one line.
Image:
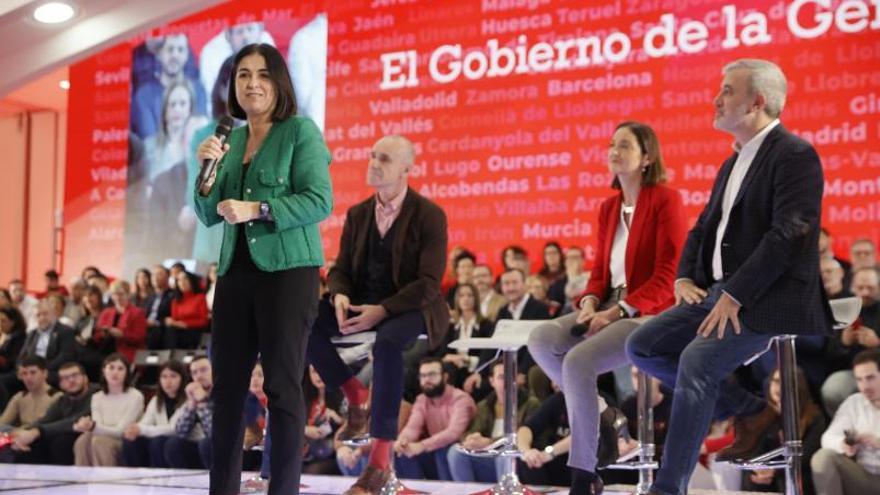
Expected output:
{"points": [[356, 442], [502, 447]]}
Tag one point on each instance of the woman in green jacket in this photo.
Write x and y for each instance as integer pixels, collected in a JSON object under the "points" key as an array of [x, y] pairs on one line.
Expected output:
{"points": [[271, 189]]}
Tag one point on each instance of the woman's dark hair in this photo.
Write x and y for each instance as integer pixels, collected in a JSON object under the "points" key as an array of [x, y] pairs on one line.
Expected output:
{"points": [[94, 291], [109, 359], [545, 270], [150, 289], [464, 255], [18, 323], [285, 98], [164, 402], [195, 283], [807, 407], [518, 251], [655, 171], [476, 294], [218, 97]]}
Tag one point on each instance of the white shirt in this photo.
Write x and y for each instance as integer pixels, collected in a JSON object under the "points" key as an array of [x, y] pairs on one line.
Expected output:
{"points": [[858, 414], [43, 338], [617, 263], [28, 308], [516, 310], [465, 331], [743, 162]]}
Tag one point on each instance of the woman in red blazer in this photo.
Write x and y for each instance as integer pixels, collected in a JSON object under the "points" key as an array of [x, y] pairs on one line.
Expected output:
{"points": [[640, 236], [123, 323], [189, 314]]}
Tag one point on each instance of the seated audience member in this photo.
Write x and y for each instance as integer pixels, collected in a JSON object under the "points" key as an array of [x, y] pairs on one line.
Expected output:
{"points": [[322, 421], [863, 334], [826, 250], [833, 278], [449, 277], [50, 439], [545, 440], [811, 424], [573, 282], [352, 462], [515, 257], [123, 324], [537, 288], [863, 254], [143, 443], [849, 461], [487, 427], [12, 336], [255, 426], [143, 289], [75, 309], [490, 300], [5, 298], [463, 267], [552, 267], [114, 408], [661, 403], [50, 340], [189, 314], [190, 447], [466, 322], [102, 283], [59, 305], [158, 308], [439, 417], [30, 404], [25, 302], [53, 285], [89, 351]]}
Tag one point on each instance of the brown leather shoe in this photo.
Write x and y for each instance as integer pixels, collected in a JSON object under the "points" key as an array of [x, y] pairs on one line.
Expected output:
{"points": [[749, 431], [370, 482], [356, 424]]}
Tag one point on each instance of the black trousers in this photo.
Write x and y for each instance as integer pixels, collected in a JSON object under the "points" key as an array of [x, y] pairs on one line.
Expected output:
{"points": [[393, 335], [270, 313]]}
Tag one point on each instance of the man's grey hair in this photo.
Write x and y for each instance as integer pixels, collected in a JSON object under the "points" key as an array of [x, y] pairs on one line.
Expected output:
{"points": [[765, 78]]}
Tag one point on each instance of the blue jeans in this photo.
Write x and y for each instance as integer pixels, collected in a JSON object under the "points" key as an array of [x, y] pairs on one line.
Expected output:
{"points": [[697, 368], [356, 470], [425, 466], [465, 467]]}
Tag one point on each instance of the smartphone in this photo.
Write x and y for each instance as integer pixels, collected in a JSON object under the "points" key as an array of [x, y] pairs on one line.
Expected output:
{"points": [[850, 438]]}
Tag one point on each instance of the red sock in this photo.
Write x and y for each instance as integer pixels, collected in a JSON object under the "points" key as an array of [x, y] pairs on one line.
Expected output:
{"points": [[355, 392], [380, 454]]}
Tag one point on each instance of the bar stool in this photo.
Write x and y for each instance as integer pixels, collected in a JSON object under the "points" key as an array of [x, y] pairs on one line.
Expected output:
{"points": [[788, 456], [509, 337], [394, 485], [641, 459]]}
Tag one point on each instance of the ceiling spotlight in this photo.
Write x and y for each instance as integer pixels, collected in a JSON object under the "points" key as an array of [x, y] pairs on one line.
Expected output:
{"points": [[53, 12], [64, 84]]}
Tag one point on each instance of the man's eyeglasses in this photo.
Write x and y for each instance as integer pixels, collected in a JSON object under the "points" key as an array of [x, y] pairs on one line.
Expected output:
{"points": [[430, 374]]}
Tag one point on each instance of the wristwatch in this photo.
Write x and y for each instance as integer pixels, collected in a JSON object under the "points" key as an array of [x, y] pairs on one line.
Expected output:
{"points": [[265, 212], [549, 450]]}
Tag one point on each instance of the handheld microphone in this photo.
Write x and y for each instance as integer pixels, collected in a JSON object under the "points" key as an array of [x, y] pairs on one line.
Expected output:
{"points": [[207, 174]]}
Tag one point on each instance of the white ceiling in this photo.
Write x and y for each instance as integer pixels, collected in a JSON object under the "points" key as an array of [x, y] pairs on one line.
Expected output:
{"points": [[30, 51]]}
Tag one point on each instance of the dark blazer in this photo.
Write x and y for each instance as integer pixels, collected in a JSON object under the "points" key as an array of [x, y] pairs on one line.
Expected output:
{"points": [[61, 347], [652, 251], [534, 310], [770, 249], [418, 259], [164, 309]]}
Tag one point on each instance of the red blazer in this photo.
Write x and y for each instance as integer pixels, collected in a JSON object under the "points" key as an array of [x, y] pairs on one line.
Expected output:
{"points": [[191, 309], [652, 251], [133, 324]]}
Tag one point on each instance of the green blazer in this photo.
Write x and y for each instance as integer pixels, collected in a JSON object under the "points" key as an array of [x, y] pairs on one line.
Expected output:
{"points": [[291, 172]]}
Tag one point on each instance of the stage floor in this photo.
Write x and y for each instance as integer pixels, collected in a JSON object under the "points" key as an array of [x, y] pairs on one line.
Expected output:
{"points": [[70, 480]]}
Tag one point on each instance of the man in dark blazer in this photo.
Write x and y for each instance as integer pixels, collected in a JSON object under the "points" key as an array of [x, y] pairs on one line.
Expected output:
{"points": [[392, 257], [51, 340], [749, 270], [520, 306], [157, 307]]}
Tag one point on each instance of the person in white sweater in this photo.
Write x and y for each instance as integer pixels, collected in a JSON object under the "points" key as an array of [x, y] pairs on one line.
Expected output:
{"points": [[143, 443], [116, 406], [849, 461]]}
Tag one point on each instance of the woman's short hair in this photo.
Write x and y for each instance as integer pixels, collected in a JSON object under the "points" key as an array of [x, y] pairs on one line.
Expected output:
{"points": [[285, 98], [109, 359], [655, 171]]}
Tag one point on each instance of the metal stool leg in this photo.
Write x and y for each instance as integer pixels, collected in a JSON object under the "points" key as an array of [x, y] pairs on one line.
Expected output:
{"points": [[508, 483], [394, 485], [792, 447], [645, 464]]}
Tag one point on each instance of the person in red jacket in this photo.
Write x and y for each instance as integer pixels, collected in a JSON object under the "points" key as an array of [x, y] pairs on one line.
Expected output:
{"points": [[189, 314], [639, 240], [123, 323]]}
